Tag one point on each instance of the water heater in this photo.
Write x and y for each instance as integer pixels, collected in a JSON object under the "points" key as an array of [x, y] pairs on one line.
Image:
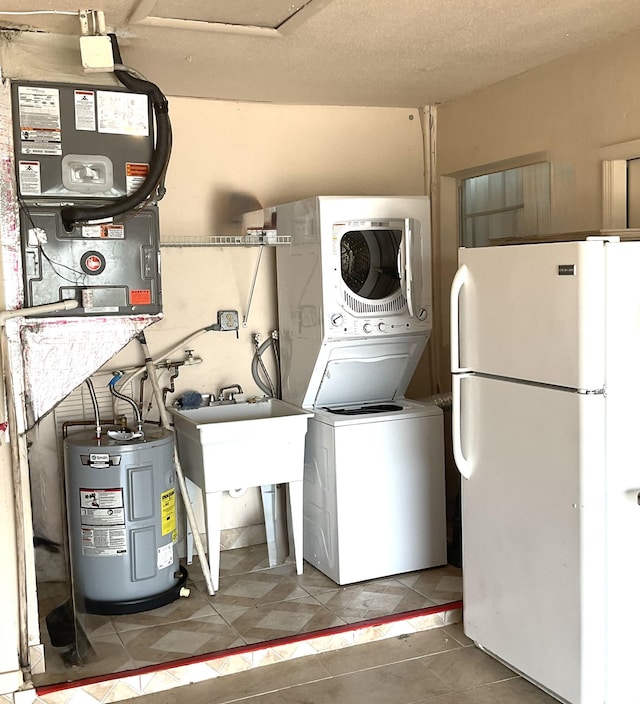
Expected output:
{"points": [[121, 507], [80, 145]]}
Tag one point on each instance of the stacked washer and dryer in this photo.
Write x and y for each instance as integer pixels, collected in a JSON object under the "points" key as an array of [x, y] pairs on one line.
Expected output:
{"points": [[354, 303]]}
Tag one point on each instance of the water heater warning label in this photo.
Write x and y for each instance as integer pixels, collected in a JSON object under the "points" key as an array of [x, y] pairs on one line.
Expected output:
{"points": [[102, 522], [104, 541], [168, 512]]}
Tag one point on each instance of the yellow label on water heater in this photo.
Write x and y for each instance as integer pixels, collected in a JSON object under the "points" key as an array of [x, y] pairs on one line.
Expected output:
{"points": [[168, 506]]}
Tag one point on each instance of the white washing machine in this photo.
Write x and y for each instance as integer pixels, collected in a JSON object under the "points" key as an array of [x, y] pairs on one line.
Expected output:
{"points": [[374, 491], [354, 305]]}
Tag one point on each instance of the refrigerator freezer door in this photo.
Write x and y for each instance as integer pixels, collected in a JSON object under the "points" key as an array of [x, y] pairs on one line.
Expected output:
{"points": [[533, 532], [532, 312]]}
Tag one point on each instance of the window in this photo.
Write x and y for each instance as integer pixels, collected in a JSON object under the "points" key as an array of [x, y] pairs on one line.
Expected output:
{"points": [[510, 203]]}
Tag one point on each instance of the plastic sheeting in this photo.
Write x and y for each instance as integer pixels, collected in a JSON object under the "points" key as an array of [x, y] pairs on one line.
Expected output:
{"points": [[59, 354]]}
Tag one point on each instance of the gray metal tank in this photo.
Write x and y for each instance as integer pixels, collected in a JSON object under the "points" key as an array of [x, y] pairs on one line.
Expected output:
{"points": [[121, 506]]}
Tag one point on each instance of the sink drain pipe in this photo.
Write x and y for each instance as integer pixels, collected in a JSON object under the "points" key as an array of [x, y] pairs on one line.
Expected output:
{"points": [[164, 420]]}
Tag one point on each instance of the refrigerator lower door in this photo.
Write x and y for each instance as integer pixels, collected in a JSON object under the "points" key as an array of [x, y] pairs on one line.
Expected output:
{"points": [[533, 532]]}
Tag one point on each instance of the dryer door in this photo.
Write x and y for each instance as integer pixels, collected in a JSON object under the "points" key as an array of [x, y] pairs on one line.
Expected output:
{"points": [[380, 266]]}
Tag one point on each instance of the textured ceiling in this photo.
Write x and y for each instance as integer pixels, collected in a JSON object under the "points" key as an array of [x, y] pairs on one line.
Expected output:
{"points": [[405, 53]]}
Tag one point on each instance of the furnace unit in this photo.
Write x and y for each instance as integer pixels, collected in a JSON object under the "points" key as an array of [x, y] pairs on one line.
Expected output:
{"points": [[78, 146]]}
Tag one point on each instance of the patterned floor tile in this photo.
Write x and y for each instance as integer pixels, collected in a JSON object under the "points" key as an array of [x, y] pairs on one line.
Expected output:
{"points": [[182, 609], [284, 618], [255, 589], [109, 656], [441, 584], [311, 579], [255, 603], [196, 636], [254, 557], [360, 602]]}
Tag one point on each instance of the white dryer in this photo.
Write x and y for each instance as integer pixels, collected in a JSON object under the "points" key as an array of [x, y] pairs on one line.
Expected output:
{"points": [[354, 284], [354, 304]]}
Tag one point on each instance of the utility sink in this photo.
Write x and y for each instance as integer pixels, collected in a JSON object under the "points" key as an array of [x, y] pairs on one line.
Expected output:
{"points": [[235, 445], [232, 445]]}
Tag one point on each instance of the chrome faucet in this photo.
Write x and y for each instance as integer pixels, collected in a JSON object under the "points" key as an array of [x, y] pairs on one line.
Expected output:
{"points": [[228, 393]]}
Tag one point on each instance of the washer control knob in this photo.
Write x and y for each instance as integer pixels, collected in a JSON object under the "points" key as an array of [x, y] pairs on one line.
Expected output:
{"points": [[367, 327], [382, 327], [336, 319]]}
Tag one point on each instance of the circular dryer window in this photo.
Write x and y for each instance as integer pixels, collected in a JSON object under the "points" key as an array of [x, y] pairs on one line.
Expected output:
{"points": [[369, 262], [93, 263]]}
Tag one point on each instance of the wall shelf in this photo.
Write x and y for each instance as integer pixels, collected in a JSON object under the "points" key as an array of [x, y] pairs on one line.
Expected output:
{"points": [[257, 238]]}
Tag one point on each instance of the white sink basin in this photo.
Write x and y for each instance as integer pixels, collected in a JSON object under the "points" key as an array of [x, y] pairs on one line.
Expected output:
{"points": [[238, 445], [234, 412], [241, 444]]}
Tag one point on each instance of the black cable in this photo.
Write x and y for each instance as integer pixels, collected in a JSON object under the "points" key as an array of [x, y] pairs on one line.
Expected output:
{"points": [[53, 264], [154, 183]]}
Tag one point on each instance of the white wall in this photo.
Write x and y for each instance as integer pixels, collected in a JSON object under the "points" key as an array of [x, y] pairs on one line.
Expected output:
{"points": [[567, 111]]}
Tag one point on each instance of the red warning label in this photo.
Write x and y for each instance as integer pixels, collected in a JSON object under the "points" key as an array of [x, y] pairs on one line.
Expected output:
{"points": [[138, 170], [136, 176], [140, 297]]}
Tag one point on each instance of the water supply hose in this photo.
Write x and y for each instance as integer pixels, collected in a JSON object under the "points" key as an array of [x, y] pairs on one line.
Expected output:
{"points": [[257, 364], [96, 410], [122, 397], [275, 344], [164, 420]]}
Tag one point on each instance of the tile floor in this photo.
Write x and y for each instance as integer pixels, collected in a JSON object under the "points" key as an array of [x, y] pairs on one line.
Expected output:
{"points": [[254, 604], [439, 666]]}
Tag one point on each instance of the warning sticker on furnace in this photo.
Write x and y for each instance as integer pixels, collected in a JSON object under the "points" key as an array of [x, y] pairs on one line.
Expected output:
{"points": [[29, 178], [136, 176], [140, 297], [85, 109], [39, 114]]}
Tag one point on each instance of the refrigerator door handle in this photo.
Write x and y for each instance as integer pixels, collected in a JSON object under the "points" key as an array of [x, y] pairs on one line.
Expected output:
{"points": [[459, 280], [463, 464]]}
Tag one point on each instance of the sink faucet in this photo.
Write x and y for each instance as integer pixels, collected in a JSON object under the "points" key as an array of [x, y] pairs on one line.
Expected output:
{"points": [[228, 393]]}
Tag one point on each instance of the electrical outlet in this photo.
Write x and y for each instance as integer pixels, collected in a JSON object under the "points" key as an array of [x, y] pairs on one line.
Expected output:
{"points": [[228, 319]]}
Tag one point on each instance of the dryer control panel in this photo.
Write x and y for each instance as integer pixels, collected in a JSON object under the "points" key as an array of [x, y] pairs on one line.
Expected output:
{"points": [[344, 325]]}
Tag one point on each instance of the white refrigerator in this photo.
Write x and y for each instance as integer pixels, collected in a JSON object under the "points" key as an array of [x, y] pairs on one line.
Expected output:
{"points": [[545, 346]]}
